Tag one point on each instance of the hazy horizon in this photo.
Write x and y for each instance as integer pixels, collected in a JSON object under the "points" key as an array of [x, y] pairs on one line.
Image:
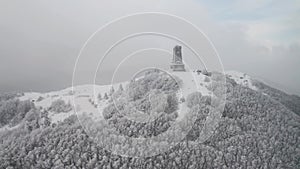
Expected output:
{"points": [[40, 40]]}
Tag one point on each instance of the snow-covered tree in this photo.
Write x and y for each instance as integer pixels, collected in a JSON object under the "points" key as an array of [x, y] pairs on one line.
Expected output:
{"points": [[111, 91], [121, 87], [99, 96], [105, 96]]}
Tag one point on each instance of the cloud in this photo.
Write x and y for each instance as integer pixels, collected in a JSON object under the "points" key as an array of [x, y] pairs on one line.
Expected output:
{"points": [[41, 39], [261, 38]]}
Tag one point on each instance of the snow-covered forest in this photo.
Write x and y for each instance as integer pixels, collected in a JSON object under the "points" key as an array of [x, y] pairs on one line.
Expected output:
{"points": [[257, 130]]}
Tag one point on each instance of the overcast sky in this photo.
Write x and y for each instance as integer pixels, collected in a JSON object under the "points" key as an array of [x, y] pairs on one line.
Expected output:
{"points": [[40, 40]]}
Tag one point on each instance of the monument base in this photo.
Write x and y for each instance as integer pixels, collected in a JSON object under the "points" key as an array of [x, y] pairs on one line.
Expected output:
{"points": [[177, 67]]}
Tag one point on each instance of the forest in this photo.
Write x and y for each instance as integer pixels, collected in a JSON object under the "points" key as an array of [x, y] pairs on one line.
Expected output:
{"points": [[255, 131]]}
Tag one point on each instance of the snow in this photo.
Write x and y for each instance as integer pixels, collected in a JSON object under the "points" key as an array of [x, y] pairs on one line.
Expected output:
{"points": [[6, 127], [241, 78], [83, 100], [192, 82]]}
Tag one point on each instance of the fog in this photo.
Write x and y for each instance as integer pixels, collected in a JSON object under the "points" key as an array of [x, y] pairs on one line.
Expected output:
{"points": [[40, 40]]}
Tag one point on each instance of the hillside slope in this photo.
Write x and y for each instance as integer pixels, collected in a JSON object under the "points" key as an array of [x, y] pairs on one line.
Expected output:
{"points": [[292, 102], [255, 132], [83, 97]]}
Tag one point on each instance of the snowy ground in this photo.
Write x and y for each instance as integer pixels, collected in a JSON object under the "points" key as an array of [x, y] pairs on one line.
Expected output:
{"points": [[84, 97], [192, 82], [241, 78]]}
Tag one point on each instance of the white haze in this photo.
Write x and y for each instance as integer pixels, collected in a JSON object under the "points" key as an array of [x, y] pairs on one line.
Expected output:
{"points": [[40, 40]]}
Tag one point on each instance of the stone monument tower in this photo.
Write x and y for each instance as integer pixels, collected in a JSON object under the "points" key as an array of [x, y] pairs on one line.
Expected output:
{"points": [[177, 64]]}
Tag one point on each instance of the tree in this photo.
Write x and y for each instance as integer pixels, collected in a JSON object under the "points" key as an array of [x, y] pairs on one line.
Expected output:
{"points": [[112, 90], [99, 96], [32, 119], [172, 103], [193, 99], [45, 120], [12, 111], [158, 102], [105, 96], [182, 99], [59, 106], [121, 87]]}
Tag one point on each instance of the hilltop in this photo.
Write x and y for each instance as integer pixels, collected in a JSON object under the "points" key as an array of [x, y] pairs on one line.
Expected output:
{"points": [[259, 127]]}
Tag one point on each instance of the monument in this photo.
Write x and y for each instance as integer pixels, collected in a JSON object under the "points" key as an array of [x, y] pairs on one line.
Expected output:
{"points": [[177, 64]]}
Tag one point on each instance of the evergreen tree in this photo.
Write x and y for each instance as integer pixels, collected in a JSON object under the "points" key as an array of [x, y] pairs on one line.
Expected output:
{"points": [[99, 96], [105, 96], [121, 88], [112, 90], [45, 119]]}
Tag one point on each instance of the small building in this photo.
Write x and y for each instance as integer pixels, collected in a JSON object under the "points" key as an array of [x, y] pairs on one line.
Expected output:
{"points": [[198, 71]]}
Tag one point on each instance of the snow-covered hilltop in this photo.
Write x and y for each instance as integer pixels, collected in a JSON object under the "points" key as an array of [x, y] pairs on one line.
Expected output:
{"points": [[83, 98], [261, 118]]}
